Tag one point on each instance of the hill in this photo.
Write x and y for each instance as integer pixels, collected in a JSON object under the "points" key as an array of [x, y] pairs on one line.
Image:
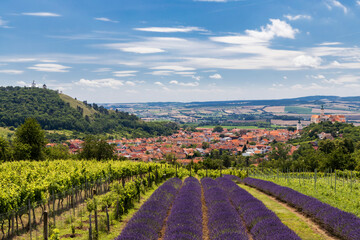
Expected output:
{"points": [[56, 111]]}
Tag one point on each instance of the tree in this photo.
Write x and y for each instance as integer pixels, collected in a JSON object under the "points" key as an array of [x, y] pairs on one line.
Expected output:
{"points": [[97, 149], [5, 153], [218, 128], [30, 137], [205, 145], [57, 152]]}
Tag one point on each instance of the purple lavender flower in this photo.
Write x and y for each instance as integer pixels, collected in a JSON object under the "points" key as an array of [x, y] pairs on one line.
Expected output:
{"points": [[223, 220], [185, 219], [148, 220], [343, 224], [260, 221]]}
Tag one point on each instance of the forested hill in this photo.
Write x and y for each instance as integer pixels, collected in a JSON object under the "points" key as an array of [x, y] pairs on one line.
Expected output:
{"points": [[56, 111], [344, 130]]}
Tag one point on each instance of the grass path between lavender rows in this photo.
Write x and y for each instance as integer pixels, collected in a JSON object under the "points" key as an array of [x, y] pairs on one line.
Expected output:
{"points": [[302, 226]]}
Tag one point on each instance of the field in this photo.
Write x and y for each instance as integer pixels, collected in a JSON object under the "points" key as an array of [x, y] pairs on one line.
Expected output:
{"points": [[240, 127], [147, 201], [298, 110]]}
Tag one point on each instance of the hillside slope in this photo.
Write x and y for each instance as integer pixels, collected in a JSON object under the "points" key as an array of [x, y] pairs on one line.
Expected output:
{"points": [[60, 112]]}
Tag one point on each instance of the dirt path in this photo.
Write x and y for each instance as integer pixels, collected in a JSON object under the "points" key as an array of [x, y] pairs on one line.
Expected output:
{"points": [[303, 226], [205, 216]]}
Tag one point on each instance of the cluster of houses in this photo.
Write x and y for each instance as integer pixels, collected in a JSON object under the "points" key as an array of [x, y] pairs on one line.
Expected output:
{"points": [[186, 146]]}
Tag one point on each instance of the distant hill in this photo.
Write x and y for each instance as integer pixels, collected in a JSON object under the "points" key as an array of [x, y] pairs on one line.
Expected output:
{"points": [[268, 102], [56, 111]]}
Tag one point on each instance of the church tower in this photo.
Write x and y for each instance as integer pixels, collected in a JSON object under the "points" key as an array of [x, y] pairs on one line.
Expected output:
{"points": [[299, 125], [322, 114]]}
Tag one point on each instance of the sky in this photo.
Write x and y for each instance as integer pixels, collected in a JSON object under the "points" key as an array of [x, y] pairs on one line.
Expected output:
{"points": [[121, 51]]}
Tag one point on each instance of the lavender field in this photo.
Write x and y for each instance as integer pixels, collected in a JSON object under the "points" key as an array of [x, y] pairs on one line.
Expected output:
{"points": [[221, 209]]}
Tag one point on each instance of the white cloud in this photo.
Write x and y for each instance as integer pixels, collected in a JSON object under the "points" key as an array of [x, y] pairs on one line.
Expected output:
{"points": [[99, 83], [174, 82], [102, 70], [20, 60], [161, 73], [307, 61], [312, 86], [319, 76], [129, 63], [142, 50], [345, 79], [159, 84], [285, 77], [41, 14], [358, 2], [190, 84], [11, 71], [277, 28], [170, 29], [48, 67], [132, 91], [297, 17], [3, 23], [215, 76], [130, 83], [334, 3], [174, 68], [330, 43], [197, 78], [124, 73], [22, 83], [44, 67], [185, 73], [104, 19]]}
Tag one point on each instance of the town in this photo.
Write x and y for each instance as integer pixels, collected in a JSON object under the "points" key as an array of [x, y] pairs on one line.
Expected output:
{"points": [[186, 146]]}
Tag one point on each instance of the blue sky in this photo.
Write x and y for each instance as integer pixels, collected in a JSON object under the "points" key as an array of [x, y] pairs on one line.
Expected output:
{"points": [[182, 50]]}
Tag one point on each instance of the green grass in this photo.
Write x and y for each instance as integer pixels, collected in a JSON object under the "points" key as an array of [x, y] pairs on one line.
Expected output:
{"points": [[75, 103], [288, 217], [4, 131], [344, 198], [298, 110]]}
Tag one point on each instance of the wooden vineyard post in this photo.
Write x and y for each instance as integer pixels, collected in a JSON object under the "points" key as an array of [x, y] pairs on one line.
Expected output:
{"points": [[30, 219], [351, 181], [335, 180], [190, 170], [176, 170], [46, 224], [315, 178], [53, 198], [96, 225], [107, 220], [206, 172], [90, 229]]}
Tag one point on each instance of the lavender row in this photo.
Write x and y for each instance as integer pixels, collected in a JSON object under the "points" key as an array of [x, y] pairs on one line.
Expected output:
{"points": [[185, 219], [344, 225], [224, 222], [148, 220], [262, 223]]}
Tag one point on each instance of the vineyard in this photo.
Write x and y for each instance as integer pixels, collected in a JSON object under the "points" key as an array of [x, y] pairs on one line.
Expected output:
{"points": [[133, 200]]}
